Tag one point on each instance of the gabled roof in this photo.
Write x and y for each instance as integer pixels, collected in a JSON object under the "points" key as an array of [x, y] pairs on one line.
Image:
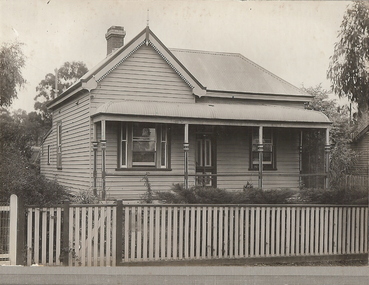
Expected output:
{"points": [[202, 71], [232, 72]]}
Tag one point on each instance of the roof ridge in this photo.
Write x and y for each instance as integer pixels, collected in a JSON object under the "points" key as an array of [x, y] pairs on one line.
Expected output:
{"points": [[205, 51]]}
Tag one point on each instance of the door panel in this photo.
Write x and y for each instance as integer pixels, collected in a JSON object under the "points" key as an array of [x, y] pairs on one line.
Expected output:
{"points": [[205, 160]]}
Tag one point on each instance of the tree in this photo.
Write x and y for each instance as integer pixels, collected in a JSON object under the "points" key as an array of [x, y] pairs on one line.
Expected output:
{"points": [[68, 74], [12, 60], [342, 157], [349, 66], [17, 174]]}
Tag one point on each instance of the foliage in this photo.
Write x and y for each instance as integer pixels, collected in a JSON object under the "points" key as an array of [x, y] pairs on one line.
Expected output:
{"points": [[332, 196], [210, 195], [12, 60], [348, 69], [68, 74], [17, 174], [148, 197], [342, 158], [85, 196]]}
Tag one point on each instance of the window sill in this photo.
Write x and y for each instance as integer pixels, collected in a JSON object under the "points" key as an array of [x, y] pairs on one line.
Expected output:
{"points": [[143, 169], [271, 169]]}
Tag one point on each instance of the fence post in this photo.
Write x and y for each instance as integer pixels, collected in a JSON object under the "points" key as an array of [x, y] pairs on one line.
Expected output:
{"points": [[65, 235], [13, 233], [119, 234]]}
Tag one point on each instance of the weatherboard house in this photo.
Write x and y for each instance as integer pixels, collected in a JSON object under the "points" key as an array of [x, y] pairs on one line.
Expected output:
{"points": [[177, 116]]}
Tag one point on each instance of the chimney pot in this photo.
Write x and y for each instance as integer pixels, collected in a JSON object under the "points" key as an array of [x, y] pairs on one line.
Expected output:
{"points": [[114, 38]]}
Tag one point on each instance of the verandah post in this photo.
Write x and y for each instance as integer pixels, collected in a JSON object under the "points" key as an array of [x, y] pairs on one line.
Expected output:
{"points": [[300, 156], [186, 148], [103, 152], [260, 150], [327, 158], [119, 234], [95, 144]]}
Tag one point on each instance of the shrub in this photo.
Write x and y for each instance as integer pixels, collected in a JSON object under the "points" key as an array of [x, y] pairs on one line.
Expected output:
{"points": [[19, 177], [211, 195], [329, 196]]}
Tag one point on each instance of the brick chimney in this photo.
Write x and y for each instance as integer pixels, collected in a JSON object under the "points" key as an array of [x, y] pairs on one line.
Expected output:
{"points": [[114, 38]]}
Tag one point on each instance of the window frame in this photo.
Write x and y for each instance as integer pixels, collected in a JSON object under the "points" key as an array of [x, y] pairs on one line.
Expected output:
{"points": [[266, 166], [126, 144], [59, 145], [48, 155]]}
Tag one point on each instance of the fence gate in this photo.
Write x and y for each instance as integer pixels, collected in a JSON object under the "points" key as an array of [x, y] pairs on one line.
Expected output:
{"points": [[4, 234], [74, 235]]}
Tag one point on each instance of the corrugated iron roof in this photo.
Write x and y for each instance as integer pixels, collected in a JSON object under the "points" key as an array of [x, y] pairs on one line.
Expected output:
{"points": [[232, 72], [239, 112]]}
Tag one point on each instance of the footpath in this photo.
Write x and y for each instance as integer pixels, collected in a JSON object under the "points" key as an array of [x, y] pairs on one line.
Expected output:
{"points": [[261, 275]]}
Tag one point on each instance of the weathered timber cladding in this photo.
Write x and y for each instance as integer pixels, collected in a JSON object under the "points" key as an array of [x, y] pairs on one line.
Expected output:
{"points": [[75, 173], [361, 147], [143, 76]]}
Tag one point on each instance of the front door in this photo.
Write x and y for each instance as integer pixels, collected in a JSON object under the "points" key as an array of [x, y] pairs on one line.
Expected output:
{"points": [[205, 160]]}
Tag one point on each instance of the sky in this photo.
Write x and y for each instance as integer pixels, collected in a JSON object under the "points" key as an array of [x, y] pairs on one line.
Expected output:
{"points": [[292, 39]]}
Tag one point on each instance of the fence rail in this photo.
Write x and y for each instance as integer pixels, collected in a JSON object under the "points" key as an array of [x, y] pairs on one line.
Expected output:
{"points": [[207, 232]]}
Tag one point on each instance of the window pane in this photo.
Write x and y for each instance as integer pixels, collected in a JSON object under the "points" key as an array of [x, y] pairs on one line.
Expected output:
{"points": [[124, 153], [143, 158], [199, 153], [267, 157], [207, 153], [124, 132], [144, 146], [163, 154]]}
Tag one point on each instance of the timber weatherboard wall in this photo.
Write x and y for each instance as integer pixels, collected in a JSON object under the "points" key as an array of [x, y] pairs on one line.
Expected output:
{"points": [[142, 76], [75, 119], [233, 155], [128, 184], [361, 147]]}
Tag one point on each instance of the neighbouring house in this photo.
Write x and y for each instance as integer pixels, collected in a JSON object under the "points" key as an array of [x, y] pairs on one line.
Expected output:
{"points": [[360, 144], [177, 116]]}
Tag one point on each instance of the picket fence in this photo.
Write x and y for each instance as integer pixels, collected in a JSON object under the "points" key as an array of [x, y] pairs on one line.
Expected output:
{"points": [[108, 235]]}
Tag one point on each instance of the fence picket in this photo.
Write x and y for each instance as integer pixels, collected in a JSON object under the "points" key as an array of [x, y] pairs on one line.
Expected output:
{"points": [[175, 233], [30, 246], [58, 235], [37, 236], [89, 235], [225, 233], [273, 236], [44, 212]]}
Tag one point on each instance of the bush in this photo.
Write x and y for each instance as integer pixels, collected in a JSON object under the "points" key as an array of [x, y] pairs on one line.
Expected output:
{"points": [[18, 176], [210, 195], [329, 196]]}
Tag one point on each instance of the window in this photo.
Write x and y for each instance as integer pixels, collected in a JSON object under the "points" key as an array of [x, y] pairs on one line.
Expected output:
{"points": [[59, 145], [269, 161], [143, 145], [48, 154]]}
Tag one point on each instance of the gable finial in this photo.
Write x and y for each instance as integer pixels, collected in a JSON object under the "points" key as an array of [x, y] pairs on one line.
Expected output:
{"points": [[148, 17]]}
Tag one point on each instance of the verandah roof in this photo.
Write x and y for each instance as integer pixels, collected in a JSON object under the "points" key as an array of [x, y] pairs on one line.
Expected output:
{"points": [[213, 114]]}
